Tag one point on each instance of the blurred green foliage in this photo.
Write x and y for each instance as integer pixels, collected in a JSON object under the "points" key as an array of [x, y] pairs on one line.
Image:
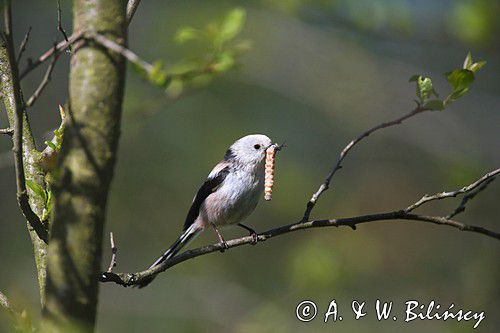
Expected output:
{"points": [[221, 53]]}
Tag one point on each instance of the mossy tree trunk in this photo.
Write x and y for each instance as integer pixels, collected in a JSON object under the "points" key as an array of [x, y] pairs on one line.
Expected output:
{"points": [[85, 169]]}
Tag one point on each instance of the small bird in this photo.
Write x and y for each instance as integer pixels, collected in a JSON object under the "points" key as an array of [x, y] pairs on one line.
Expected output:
{"points": [[230, 193]]}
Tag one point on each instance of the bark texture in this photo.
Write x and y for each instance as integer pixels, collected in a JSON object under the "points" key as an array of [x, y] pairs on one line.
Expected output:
{"points": [[85, 169]]}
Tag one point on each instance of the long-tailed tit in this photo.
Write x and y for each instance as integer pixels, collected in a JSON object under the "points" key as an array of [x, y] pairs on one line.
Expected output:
{"points": [[230, 193]]}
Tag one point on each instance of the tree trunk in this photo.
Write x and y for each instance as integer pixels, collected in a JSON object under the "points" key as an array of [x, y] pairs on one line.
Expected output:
{"points": [[85, 169]]}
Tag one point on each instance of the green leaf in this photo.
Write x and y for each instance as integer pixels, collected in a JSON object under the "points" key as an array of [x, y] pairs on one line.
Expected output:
{"points": [[424, 88], [175, 88], [468, 61], [477, 66], [157, 75], [201, 80], [185, 34], [50, 202], [51, 145], [434, 105], [458, 93], [460, 78], [224, 62], [184, 67], [139, 70], [37, 189], [470, 65], [232, 25]]}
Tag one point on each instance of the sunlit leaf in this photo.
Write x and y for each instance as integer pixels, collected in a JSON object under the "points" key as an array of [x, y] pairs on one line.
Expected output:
{"points": [[186, 34], [224, 62], [51, 145], [157, 75], [184, 67], [175, 88], [37, 189], [232, 25], [424, 88], [477, 66], [460, 78], [468, 61]]}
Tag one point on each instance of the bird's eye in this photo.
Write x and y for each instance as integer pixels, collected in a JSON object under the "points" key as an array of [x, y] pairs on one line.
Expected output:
{"points": [[257, 146]]}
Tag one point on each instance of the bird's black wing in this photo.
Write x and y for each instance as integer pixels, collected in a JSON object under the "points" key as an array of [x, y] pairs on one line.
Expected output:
{"points": [[208, 187]]}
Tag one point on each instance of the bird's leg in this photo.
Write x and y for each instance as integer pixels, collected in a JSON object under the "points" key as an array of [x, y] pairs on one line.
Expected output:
{"points": [[252, 232], [221, 239]]}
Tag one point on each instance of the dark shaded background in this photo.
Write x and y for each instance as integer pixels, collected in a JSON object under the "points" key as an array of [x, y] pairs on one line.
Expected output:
{"points": [[319, 73]]}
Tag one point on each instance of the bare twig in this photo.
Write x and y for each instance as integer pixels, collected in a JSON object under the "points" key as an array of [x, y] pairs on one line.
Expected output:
{"points": [[470, 196], [114, 251], [131, 8], [128, 279], [68, 41], [4, 302], [61, 46], [22, 47], [17, 138], [113, 46], [110, 45], [325, 185], [45, 80], [438, 196], [8, 131], [59, 24], [21, 321]]}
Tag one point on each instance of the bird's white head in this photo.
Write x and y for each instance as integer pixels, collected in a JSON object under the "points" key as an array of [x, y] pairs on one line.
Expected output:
{"points": [[248, 150]]}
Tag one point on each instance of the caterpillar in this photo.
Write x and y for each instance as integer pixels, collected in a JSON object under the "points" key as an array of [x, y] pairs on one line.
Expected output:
{"points": [[269, 171]]}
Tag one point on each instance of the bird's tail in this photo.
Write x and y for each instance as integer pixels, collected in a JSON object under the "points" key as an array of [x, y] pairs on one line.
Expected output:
{"points": [[187, 236]]}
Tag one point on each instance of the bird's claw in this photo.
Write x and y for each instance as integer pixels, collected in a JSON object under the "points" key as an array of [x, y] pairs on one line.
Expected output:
{"points": [[255, 238], [224, 246]]}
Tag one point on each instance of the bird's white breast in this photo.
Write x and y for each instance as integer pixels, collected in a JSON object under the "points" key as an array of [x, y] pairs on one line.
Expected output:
{"points": [[235, 198]]}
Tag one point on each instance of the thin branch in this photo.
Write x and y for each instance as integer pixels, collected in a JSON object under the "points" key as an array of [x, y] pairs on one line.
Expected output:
{"points": [[21, 321], [17, 138], [325, 185], [114, 251], [45, 80], [8, 131], [61, 46], [68, 41], [438, 196], [131, 8], [22, 47], [59, 24], [113, 46], [4, 302], [470, 196], [128, 279]]}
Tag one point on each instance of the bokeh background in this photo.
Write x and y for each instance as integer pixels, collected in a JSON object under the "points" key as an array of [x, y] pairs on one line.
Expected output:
{"points": [[318, 74]]}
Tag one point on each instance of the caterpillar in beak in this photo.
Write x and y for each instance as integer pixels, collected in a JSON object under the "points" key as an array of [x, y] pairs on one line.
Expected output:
{"points": [[269, 171]]}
